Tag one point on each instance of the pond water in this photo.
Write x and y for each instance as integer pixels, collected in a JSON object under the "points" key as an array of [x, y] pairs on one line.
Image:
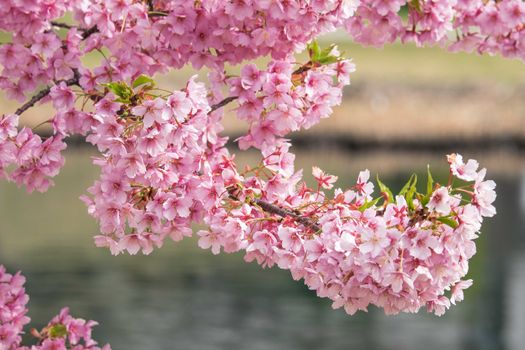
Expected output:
{"points": [[182, 297]]}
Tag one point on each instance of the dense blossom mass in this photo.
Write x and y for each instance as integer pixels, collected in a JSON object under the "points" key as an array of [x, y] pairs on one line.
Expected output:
{"points": [[163, 162], [61, 333]]}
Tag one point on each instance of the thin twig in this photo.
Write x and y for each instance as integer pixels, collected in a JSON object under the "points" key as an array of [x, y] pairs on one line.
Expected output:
{"points": [[222, 103], [277, 210], [157, 14], [65, 26], [304, 68], [89, 32], [86, 32], [274, 209]]}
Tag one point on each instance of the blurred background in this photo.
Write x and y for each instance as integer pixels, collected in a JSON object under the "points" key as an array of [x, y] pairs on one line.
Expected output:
{"points": [[406, 108]]}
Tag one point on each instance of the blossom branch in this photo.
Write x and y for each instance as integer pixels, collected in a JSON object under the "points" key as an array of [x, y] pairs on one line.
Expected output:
{"points": [[69, 82], [277, 210], [304, 68], [43, 93], [86, 32]]}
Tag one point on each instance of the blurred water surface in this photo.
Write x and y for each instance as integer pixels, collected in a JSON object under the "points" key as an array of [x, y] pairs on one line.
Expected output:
{"points": [[181, 297]]}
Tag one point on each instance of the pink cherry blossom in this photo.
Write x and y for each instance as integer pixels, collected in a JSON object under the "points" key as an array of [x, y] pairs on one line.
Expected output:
{"points": [[463, 171], [363, 187], [440, 201], [324, 180], [457, 291], [8, 126], [63, 97], [484, 194], [152, 111], [373, 241]]}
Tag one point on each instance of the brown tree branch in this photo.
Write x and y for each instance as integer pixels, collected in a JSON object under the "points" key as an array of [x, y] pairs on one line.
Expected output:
{"points": [[277, 210], [88, 32], [65, 25], [222, 103], [274, 209]]}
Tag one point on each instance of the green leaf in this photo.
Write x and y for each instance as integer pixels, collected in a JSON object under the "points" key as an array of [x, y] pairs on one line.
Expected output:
{"points": [[405, 188], [448, 221], [415, 5], [120, 89], [430, 187], [314, 51], [410, 194], [328, 51], [370, 204], [328, 60], [324, 56], [430, 181], [409, 190], [385, 189], [58, 331], [143, 79]]}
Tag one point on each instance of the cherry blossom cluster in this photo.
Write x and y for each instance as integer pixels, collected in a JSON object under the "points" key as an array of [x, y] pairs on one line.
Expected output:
{"points": [[163, 162], [13, 300], [287, 99], [211, 32], [62, 332], [31, 160], [399, 252], [146, 37], [164, 168], [143, 38], [32, 61], [474, 25], [25, 18], [155, 166]]}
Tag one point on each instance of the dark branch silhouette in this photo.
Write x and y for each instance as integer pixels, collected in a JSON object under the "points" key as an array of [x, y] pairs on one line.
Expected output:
{"points": [[222, 103]]}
